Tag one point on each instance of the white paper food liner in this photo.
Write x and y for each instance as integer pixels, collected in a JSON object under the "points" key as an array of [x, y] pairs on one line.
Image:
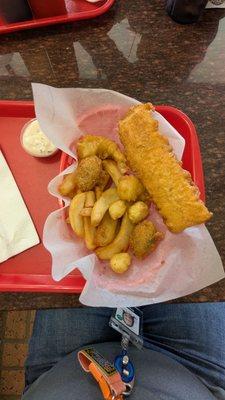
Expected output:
{"points": [[215, 4], [182, 263]]}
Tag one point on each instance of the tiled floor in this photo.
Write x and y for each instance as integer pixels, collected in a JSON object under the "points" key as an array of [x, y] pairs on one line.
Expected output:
{"points": [[15, 331]]}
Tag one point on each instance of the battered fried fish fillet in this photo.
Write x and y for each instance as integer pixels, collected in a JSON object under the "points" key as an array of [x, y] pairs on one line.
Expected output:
{"points": [[171, 187]]}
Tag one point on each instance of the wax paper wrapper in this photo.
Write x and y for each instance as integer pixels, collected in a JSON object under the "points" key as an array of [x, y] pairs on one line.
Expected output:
{"points": [[216, 4], [182, 263]]}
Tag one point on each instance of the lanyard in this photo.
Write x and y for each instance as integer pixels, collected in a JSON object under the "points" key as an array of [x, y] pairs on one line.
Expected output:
{"points": [[108, 378], [116, 381]]}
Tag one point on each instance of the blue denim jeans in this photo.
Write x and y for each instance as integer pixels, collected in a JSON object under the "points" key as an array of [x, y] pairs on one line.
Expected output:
{"points": [[192, 334]]}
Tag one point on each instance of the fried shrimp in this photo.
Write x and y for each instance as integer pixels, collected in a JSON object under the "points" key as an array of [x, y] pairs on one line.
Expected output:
{"points": [[103, 147]]}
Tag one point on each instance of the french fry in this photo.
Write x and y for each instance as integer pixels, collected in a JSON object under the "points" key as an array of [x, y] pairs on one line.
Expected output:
{"points": [[117, 209], [86, 212], [98, 192], [113, 170], [106, 230], [68, 184], [90, 199], [102, 204], [120, 243], [76, 220], [89, 233]]}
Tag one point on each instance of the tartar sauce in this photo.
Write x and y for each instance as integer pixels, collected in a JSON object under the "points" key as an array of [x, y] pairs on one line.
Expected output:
{"points": [[35, 142]]}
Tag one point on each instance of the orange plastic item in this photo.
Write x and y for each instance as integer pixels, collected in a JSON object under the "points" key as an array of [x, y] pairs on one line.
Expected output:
{"points": [[104, 373], [97, 374]]}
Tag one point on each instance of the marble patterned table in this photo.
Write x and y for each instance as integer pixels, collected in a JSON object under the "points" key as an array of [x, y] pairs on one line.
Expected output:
{"points": [[138, 50]]}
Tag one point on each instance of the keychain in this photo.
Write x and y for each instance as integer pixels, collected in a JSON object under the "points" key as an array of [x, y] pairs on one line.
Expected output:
{"points": [[108, 378], [125, 367], [127, 321], [116, 381]]}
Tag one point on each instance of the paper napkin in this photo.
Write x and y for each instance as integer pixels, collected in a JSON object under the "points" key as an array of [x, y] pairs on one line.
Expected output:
{"points": [[17, 231]]}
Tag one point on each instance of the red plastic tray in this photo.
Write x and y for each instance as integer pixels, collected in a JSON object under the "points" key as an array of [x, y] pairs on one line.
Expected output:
{"points": [[82, 10], [31, 270]]}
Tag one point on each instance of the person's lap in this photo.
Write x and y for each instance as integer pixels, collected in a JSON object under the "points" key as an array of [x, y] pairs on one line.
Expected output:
{"points": [[57, 333], [193, 334]]}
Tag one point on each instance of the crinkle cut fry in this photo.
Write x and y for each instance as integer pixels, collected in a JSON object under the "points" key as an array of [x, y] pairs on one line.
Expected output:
{"points": [[171, 188]]}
